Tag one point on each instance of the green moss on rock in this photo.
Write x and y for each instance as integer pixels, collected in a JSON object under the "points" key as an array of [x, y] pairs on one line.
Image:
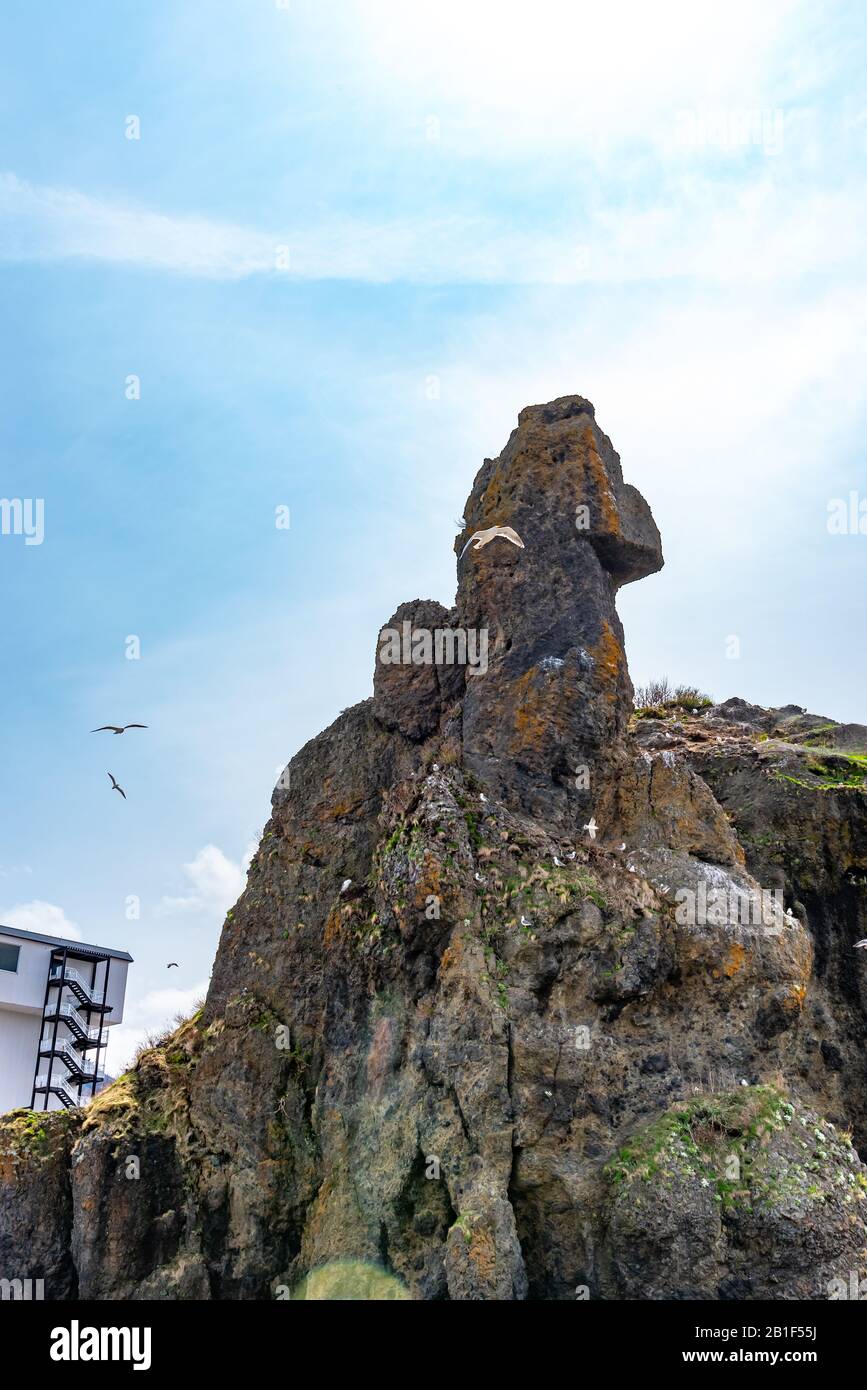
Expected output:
{"points": [[729, 1143]]}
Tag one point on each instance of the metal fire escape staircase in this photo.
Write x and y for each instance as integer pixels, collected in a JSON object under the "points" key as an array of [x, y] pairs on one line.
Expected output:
{"points": [[75, 1069]]}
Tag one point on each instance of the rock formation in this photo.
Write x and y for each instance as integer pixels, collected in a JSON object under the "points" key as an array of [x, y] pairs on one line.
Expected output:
{"points": [[557, 695], [542, 1043]]}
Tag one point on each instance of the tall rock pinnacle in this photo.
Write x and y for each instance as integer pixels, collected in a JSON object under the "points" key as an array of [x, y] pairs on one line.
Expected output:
{"points": [[556, 694]]}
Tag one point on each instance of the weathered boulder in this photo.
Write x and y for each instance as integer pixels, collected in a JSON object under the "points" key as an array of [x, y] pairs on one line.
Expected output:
{"points": [[731, 1196], [421, 661]]}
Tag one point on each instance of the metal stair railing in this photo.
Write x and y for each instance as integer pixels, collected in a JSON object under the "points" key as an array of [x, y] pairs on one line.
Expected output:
{"points": [[81, 989], [76, 1061], [60, 1089], [70, 1015]]}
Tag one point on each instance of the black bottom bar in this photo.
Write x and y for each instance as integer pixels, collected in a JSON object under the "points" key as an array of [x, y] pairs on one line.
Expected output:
{"points": [[613, 1340]]}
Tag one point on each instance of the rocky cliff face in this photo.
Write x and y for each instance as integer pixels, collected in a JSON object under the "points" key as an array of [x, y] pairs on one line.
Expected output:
{"points": [[503, 1010]]}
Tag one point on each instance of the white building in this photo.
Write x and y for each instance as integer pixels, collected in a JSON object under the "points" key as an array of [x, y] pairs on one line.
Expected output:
{"points": [[58, 999]]}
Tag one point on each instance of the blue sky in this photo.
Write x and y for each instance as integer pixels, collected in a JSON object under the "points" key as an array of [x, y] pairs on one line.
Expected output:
{"points": [[485, 205]]}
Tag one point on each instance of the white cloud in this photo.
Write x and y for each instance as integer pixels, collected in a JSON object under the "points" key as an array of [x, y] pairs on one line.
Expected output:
{"points": [[216, 880], [508, 79], [555, 91], [752, 386], [764, 228], [148, 1017], [734, 413], [42, 917], [43, 223]]}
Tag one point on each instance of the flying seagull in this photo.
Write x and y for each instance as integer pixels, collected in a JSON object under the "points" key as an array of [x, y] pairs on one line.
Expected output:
{"points": [[860, 944], [482, 538], [116, 786], [117, 728], [591, 827], [172, 963]]}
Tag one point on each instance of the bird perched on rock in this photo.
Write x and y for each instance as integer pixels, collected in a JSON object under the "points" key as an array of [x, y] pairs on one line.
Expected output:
{"points": [[116, 786], [481, 538], [117, 728]]}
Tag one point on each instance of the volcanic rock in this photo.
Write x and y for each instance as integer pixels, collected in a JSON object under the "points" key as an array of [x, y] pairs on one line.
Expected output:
{"points": [[519, 1056]]}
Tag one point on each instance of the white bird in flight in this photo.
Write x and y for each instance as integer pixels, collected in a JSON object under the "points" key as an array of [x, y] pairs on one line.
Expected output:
{"points": [[481, 538], [860, 944], [116, 786], [591, 827]]}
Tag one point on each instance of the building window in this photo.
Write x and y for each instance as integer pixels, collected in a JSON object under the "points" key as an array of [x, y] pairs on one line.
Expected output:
{"points": [[9, 958]]}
